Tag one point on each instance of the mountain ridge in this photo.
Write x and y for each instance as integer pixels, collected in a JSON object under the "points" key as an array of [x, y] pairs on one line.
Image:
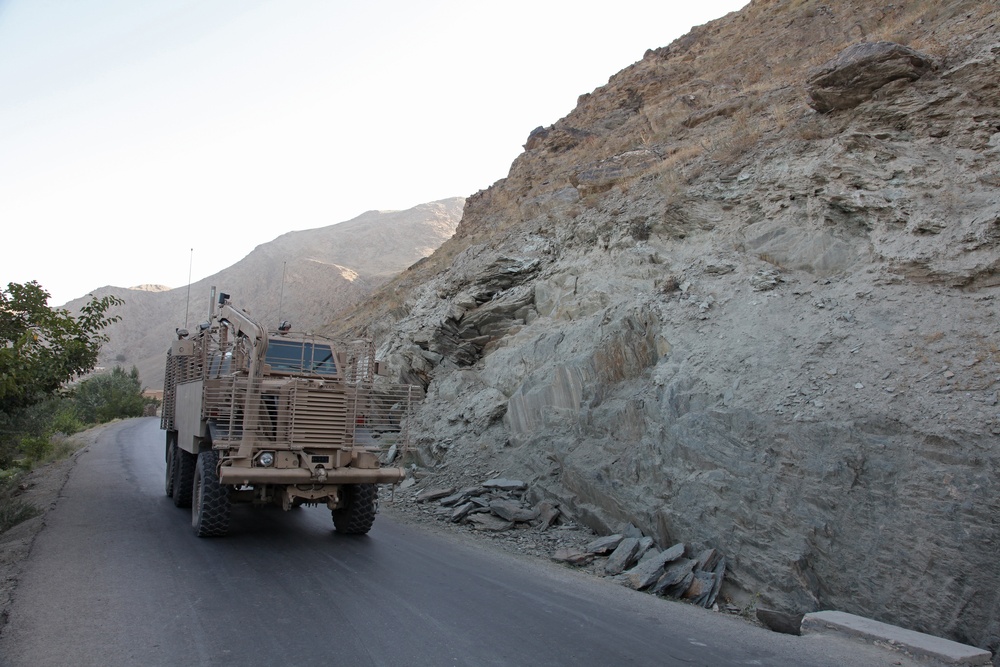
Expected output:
{"points": [[301, 276]]}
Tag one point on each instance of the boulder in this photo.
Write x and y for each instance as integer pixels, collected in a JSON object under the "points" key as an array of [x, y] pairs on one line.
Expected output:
{"points": [[623, 557], [674, 577], [489, 523], [502, 484], [678, 589], [572, 556], [512, 511], [548, 514], [708, 559], [649, 570], [461, 496], [645, 549], [785, 623], [462, 511], [861, 69], [606, 544], [434, 493], [706, 584]]}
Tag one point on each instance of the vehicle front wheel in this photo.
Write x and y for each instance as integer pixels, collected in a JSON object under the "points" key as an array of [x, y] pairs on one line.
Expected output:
{"points": [[357, 514], [210, 508]]}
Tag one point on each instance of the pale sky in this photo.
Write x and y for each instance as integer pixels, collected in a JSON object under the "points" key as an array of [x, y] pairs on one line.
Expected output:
{"points": [[132, 131]]}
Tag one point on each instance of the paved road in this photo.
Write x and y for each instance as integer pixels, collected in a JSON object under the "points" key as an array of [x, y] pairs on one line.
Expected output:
{"points": [[117, 578]]}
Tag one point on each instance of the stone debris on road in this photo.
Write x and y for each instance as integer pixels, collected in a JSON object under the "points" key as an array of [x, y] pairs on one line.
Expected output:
{"points": [[501, 507]]}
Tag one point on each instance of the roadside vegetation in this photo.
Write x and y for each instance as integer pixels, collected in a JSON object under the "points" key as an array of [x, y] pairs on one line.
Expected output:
{"points": [[42, 351]]}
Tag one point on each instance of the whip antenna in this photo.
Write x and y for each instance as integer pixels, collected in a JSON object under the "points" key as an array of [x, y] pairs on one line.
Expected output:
{"points": [[281, 294], [187, 306]]}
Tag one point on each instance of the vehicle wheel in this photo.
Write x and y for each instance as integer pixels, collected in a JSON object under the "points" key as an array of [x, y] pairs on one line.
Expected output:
{"points": [[210, 506], [357, 514], [169, 456], [184, 463]]}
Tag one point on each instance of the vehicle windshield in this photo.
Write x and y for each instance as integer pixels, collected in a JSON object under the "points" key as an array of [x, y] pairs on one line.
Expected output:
{"points": [[300, 357]]}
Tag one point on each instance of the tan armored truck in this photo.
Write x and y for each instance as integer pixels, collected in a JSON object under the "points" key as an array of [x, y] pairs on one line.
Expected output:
{"points": [[277, 418]]}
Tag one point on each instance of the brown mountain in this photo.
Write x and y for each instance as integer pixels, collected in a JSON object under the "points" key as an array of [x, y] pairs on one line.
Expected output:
{"points": [[745, 296], [325, 270]]}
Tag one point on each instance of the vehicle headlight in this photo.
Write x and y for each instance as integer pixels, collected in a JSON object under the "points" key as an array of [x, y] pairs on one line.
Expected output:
{"points": [[266, 459]]}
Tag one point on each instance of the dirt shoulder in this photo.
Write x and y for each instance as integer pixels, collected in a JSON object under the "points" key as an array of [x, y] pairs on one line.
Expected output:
{"points": [[41, 488]]}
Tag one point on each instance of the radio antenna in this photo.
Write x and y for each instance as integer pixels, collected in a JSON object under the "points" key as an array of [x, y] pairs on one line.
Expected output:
{"points": [[187, 306], [281, 294]]}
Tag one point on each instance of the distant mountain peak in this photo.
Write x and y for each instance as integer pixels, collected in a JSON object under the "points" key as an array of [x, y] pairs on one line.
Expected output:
{"points": [[150, 288], [305, 276]]}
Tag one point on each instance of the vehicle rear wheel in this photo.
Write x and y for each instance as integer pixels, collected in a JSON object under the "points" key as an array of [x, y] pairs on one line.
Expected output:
{"points": [[184, 463], [210, 506], [169, 456], [357, 514]]}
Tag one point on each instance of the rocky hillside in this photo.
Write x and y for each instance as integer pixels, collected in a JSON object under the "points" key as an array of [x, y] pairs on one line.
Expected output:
{"points": [[325, 270], [745, 296]]}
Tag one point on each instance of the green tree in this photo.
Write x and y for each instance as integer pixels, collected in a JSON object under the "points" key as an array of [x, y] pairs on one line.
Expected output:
{"points": [[105, 397], [41, 348]]}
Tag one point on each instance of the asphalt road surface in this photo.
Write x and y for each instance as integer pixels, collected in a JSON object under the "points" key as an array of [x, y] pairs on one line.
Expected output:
{"points": [[117, 577]]}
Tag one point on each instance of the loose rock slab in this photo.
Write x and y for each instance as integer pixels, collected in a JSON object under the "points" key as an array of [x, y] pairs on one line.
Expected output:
{"points": [[434, 493], [489, 523], [676, 578], [548, 514], [649, 570], [502, 484], [622, 557], [777, 621], [606, 544], [861, 69], [572, 556], [512, 511]]}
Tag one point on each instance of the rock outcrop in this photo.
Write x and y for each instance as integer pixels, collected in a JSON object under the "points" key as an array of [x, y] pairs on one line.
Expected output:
{"points": [[698, 305], [860, 70]]}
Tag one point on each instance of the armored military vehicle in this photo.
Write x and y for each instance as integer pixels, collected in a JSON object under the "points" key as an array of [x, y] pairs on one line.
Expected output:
{"points": [[278, 418]]}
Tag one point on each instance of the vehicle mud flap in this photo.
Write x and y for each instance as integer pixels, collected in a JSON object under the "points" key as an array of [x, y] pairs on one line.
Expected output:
{"points": [[183, 463], [210, 507], [171, 452], [358, 512]]}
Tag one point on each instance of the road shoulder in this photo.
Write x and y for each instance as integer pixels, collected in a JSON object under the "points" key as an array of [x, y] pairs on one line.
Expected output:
{"points": [[41, 487]]}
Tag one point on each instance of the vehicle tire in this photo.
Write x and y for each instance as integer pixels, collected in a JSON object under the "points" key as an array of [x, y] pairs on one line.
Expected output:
{"points": [[169, 457], [184, 463], [210, 506], [357, 514]]}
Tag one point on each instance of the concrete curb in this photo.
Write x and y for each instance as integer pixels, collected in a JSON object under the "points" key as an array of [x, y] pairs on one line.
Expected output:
{"points": [[917, 643]]}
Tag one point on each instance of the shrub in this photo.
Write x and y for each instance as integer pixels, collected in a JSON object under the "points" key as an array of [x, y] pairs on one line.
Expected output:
{"points": [[105, 397], [35, 447]]}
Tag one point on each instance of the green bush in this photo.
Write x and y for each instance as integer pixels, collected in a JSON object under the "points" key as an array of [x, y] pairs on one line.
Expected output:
{"points": [[36, 447], [65, 419], [41, 349], [105, 397], [26, 434]]}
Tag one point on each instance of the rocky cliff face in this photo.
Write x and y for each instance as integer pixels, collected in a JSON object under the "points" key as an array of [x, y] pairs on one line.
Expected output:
{"points": [[745, 296]]}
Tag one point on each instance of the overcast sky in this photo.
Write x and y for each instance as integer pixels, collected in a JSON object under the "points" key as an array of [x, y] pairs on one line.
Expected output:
{"points": [[132, 131]]}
